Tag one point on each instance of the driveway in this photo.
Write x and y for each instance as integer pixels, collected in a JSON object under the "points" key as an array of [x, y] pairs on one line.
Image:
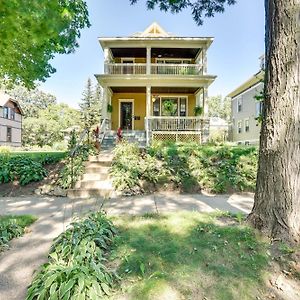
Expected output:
{"points": [[26, 254]]}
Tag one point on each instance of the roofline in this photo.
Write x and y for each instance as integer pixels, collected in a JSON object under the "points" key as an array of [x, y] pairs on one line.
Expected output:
{"points": [[16, 102], [206, 40], [256, 78]]}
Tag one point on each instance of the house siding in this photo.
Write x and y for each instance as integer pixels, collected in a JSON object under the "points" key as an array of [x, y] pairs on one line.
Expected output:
{"points": [[248, 112]]}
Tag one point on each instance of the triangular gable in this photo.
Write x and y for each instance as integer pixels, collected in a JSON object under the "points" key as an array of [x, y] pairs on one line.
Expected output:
{"points": [[154, 30]]}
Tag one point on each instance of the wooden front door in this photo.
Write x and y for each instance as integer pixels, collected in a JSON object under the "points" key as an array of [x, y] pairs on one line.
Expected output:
{"points": [[126, 115]]}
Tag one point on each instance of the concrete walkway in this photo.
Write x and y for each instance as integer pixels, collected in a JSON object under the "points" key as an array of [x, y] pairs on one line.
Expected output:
{"points": [[17, 265]]}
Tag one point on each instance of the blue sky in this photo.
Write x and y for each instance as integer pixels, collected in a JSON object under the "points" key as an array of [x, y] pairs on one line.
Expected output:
{"points": [[233, 57]]}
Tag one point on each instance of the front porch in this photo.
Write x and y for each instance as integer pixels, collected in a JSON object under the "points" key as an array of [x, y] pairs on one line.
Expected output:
{"points": [[164, 113]]}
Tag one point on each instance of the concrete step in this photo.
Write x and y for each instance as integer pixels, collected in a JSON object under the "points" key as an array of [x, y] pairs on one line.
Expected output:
{"points": [[97, 170], [101, 158], [102, 163], [95, 176], [95, 184], [87, 193]]}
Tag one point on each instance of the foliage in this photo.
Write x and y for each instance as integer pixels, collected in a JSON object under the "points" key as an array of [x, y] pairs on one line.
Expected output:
{"points": [[12, 227], [41, 30], [189, 166], [74, 166], [76, 267], [26, 167], [199, 8], [90, 106], [218, 107], [189, 255], [198, 110], [169, 107], [130, 167]]}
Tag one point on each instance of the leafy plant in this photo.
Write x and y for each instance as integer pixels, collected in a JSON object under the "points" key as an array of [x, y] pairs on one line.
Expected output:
{"points": [[109, 108], [77, 262], [198, 110], [169, 107], [12, 227]]}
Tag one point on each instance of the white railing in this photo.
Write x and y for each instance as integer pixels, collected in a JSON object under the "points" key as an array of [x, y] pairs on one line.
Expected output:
{"points": [[116, 69], [176, 69], [163, 69], [175, 123]]}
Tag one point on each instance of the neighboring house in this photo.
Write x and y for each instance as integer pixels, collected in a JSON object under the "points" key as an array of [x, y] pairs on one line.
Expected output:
{"points": [[245, 109], [152, 82], [10, 121]]}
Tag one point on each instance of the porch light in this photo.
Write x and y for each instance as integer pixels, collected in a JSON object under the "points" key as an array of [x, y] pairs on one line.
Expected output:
{"points": [[154, 97]]}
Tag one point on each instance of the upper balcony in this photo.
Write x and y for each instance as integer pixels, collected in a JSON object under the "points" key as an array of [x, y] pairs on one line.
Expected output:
{"points": [[154, 68]]}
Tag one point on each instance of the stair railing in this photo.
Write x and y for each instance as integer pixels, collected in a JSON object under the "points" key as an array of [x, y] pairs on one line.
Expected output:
{"points": [[73, 154], [102, 130]]}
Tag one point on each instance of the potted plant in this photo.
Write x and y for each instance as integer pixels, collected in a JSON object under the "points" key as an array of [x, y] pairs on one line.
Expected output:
{"points": [[109, 108], [198, 110], [170, 107]]}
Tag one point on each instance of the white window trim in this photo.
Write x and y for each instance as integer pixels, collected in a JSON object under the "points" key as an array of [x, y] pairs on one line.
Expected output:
{"points": [[173, 96], [237, 104], [119, 113], [247, 119], [237, 127]]}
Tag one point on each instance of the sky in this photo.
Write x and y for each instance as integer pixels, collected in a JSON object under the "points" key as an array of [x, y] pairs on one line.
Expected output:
{"points": [[234, 55]]}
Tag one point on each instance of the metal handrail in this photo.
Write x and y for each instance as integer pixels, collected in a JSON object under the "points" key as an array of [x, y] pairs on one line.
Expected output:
{"points": [[82, 136]]}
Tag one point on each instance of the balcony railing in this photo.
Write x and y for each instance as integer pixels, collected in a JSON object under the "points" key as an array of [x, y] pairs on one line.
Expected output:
{"points": [[162, 69], [176, 69], [117, 69], [176, 123]]}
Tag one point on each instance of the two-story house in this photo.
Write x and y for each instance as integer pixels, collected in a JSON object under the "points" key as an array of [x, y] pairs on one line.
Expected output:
{"points": [[153, 81], [246, 109], [10, 121]]}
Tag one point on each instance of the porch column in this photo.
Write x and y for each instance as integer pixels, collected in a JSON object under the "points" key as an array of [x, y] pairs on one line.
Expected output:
{"points": [[148, 60], [107, 59], [148, 113], [204, 60], [205, 106], [104, 103]]}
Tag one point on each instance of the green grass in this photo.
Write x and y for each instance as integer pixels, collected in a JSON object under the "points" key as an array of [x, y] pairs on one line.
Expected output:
{"points": [[13, 226], [189, 255]]}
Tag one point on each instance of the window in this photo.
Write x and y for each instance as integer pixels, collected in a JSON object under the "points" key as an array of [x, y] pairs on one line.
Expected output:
{"points": [[247, 125], [156, 107], [258, 109], [12, 113], [182, 107], [5, 112], [8, 135], [239, 104], [239, 126], [169, 106]]}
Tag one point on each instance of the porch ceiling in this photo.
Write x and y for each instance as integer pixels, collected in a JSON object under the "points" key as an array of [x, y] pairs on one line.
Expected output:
{"points": [[155, 90], [156, 52]]}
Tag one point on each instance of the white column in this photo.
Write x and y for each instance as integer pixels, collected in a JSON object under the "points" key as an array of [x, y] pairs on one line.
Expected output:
{"points": [[148, 113], [205, 106], [204, 60], [148, 60], [104, 103], [107, 59]]}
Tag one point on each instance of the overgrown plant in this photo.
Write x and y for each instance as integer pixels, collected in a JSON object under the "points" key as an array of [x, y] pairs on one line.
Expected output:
{"points": [[77, 262]]}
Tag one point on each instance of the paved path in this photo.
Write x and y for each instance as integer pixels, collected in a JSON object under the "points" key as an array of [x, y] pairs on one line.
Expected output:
{"points": [[17, 265]]}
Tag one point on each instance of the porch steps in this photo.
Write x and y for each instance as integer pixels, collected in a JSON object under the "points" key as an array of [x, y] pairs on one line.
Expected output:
{"points": [[132, 136], [95, 182]]}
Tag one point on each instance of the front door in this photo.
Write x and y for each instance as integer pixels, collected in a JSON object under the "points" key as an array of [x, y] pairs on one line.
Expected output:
{"points": [[126, 115]]}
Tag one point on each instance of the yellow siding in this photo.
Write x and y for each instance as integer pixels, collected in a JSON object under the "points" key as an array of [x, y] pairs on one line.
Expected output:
{"points": [[139, 109]]}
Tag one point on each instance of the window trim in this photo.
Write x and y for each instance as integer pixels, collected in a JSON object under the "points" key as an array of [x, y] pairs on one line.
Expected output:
{"points": [[8, 140], [178, 104], [246, 120], [239, 127]]}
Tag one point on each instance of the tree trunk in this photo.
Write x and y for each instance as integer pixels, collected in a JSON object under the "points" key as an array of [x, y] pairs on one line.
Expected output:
{"points": [[276, 208]]}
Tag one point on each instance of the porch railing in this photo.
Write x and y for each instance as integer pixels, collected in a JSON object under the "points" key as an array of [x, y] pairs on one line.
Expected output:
{"points": [[120, 68], [162, 69], [175, 123], [176, 69]]}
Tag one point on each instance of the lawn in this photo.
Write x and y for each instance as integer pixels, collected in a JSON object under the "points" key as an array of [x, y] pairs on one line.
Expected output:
{"points": [[189, 256], [12, 227]]}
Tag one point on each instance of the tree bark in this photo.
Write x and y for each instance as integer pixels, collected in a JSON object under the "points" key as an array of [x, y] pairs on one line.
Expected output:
{"points": [[276, 208]]}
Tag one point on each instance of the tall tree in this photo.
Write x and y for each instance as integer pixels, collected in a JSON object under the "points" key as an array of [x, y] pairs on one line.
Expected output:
{"points": [[32, 32], [31, 101], [90, 107], [277, 199], [219, 107]]}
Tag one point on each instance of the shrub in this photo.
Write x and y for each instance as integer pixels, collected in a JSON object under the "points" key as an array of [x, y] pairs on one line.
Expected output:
{"points": [[76, 267], [12, 227]]}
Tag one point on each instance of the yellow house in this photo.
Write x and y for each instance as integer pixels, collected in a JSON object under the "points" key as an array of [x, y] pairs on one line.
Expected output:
{"points": [[153, 81]]}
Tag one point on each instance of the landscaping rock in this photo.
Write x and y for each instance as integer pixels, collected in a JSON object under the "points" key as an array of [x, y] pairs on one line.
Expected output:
{"points": [[59, 192]]}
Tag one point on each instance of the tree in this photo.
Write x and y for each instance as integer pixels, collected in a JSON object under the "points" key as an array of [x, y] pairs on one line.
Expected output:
{"points": [[218, 107], [31, 101], [90, 107], [276, 208], [32, 32]]}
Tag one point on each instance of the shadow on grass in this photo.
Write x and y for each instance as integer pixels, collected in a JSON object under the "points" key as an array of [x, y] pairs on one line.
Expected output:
{"points": [[191, 255]]}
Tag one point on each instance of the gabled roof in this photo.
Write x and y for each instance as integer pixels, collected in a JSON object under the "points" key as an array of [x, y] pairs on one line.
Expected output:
{"points": [[154, 30], [255, 79], [4, 98]]}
